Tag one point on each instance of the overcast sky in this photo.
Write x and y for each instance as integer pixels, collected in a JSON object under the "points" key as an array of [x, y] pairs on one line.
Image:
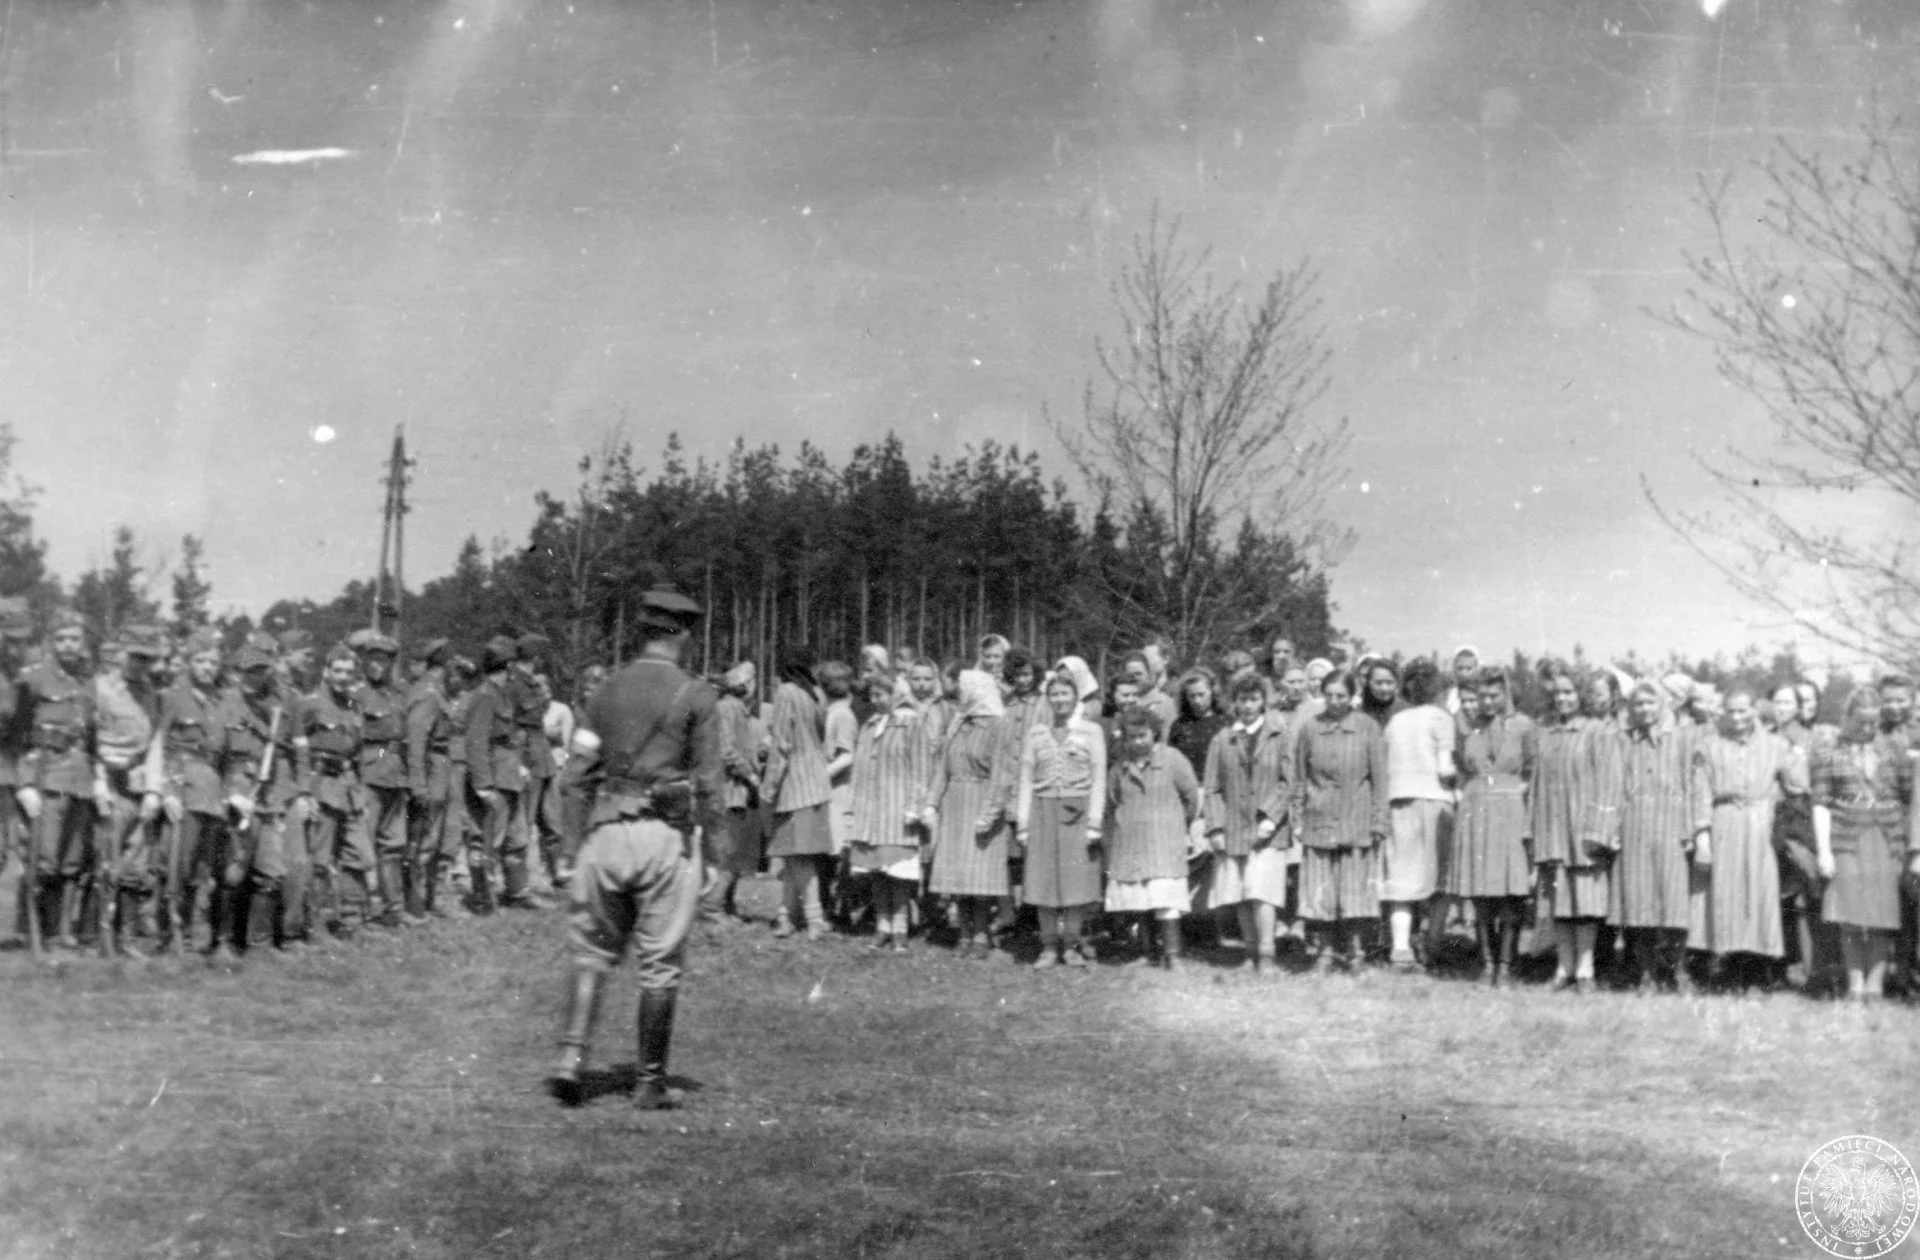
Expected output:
{"points": [[828, 220]]}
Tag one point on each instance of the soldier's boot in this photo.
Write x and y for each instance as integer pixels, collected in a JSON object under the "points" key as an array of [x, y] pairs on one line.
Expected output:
{"points": [[419, 876], [656, 1035], [127, 914], [220, 925], [483, 901], [576, 1031], [390, 879], [240, 915]]}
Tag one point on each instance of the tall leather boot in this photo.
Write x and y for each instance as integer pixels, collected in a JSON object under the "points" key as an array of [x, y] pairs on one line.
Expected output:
{"points": [[576, 1030], [220, 925], [126, 918], [1170, 943], [656, 1034], [240, 915], [385, 895], [483, 902], [419, 876]]}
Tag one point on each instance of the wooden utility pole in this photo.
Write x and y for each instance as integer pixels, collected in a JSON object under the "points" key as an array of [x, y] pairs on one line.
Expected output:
{"points": [[393, 535]]}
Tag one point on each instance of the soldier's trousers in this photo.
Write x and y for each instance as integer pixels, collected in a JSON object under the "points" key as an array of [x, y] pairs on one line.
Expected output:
{"points": [[187, 852], [124, 844], [504, 841], [387, 821], [637, 881], [340, 860]]}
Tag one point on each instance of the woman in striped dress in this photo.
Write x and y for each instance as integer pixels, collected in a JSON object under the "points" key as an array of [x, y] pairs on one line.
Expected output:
{"points": [[1248, 787], [1743, 771], [1575, 825], [1059, 805], [965, 815], [1340, 804], [1863, 827], [796, 782], [890, 776], [1664, 840], [1153, 808], [1489, 859]]}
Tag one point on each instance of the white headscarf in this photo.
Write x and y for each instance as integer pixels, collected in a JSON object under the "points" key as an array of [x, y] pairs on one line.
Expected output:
{"points": [[980, 695]]}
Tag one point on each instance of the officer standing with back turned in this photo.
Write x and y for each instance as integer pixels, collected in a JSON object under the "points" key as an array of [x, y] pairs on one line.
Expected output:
{"points": [[647, 758]]}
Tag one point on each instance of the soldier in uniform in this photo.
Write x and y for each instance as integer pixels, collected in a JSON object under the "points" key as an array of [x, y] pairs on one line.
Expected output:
{"points": [[327, 741], [128, 704], [183, 789], [383, 770], [62, 788], [294, 669], [537, 802], [496, 777], [459, 835], [429, 739], [261, 788], [647, 757], [15, 626]]}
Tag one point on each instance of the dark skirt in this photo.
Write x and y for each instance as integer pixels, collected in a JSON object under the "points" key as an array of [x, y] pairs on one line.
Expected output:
{"points": [[1062, 868], [746, 836], [1865, 889], [802, 831]]}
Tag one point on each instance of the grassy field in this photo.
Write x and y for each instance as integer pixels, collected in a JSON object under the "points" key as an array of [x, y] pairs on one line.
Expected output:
{"points": [[384, 1098]]}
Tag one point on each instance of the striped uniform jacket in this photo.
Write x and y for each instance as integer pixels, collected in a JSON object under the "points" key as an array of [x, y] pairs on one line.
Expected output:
{"points": [[1575, 790], [1340, 782], [1249, 778], [796, 759], [1661, 807], [892, 770], [1150, 806]]}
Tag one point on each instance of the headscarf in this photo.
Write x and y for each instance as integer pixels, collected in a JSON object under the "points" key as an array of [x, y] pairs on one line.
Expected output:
{"points": [[740, 677], [980, 695], [1085, 685], [878, 655], [1679, 688], [1318, 668], [1469, 648]]}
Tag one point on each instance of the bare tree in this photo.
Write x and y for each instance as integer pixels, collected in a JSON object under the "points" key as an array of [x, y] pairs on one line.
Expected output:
{"points": [[1819, 321], [1202, 420]]}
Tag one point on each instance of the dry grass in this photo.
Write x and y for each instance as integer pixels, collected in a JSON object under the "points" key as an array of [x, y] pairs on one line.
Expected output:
{"points": [[384, 1100]]}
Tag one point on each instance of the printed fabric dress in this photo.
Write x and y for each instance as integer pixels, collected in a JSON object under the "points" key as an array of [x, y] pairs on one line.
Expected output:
{"points": [[1868, 788], [967, 784], [1340, 785], [1743, 780], [1654, 878], [1488, 857]]}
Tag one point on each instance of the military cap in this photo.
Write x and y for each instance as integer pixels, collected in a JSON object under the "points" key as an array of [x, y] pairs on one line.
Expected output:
{"points": [[294, 640], [343, 652], [532, 646], [68, 619], [374, 641], [252, 656], [499, 653], [463, 666], [432, 651], [16, 620], [142, 641], [664, 608], [261, 641], [359, 639]]}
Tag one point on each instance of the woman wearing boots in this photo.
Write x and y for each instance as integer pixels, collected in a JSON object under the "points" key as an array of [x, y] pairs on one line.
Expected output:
{"points": [[1490, 860], [890, 773], [1153, 815], [1665, 849], [1745, 770], [1249, 801], [1059, 806], [1340, 802], [1863, 824], [797, 783], [965, 814]]}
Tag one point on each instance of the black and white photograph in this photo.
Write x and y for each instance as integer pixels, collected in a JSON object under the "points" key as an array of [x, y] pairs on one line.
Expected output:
{"points": [[917, 629]]}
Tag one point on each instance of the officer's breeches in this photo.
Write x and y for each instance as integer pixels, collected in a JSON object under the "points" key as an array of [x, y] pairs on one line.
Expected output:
{"points": [[636, 882]]}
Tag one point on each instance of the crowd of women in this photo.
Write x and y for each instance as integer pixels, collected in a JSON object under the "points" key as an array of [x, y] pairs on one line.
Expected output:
{"points": [[1655, 833]]}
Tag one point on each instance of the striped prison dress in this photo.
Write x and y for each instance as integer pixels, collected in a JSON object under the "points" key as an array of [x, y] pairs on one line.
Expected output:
{"points": [[797, 775], [1340, 804], [1488, 857], [1661, 809], [891, 769], [1575, 789], [966, 785], [1743, 780]]}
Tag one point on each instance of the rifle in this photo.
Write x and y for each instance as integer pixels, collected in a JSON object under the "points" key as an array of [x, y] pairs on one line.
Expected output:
{"points": [[263, 783]]}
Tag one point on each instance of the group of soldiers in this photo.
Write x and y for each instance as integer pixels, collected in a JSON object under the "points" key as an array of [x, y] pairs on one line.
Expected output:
{"points": [[180, 797]]}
